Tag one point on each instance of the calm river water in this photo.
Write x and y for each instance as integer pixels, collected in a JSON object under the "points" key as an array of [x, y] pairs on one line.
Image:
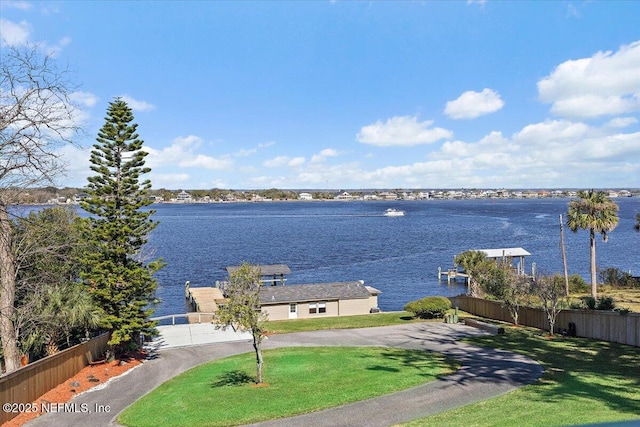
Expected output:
{"points": [[342, 241]]}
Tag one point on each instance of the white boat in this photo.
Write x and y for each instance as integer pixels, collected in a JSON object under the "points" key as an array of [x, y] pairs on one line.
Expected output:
{"points": [[393, 212]]}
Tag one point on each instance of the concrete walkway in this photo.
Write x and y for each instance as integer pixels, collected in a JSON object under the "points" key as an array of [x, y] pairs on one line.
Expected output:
{"points": [[194, 334], [485, 373]]}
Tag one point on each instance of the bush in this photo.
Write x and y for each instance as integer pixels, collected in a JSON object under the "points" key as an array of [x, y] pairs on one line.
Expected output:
{"points": [[590, 303], [429, 307], [616, 278], [577, 284]]}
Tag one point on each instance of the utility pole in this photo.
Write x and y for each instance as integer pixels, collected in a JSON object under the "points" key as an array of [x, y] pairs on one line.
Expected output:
{"points": [[564, 258]]}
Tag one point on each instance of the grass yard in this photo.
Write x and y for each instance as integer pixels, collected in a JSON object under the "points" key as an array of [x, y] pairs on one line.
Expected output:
{"points": [[585, 382], [345, 322], [299, 380], [624, 298]]}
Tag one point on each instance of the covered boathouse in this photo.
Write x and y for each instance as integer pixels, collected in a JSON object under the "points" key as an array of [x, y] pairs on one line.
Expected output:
{"points": [[508, 255]]}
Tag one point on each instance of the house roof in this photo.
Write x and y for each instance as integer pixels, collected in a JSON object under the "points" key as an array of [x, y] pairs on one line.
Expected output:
{"points": [[314, 292], [504, 252], [265, 270]]}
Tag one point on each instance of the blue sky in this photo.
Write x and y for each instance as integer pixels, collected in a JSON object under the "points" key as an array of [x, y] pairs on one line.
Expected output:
{"points": [[346, 95]]}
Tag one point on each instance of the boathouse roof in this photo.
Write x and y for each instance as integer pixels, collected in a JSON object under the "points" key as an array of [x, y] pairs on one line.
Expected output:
{"points": [[265, 270], [315, 292], [504, 252]]}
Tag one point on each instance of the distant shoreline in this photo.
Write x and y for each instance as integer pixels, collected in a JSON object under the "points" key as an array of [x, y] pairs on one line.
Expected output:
{"points": [[51, 196]]}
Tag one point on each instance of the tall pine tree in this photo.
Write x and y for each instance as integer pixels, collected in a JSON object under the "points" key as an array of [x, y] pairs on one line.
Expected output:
{"points": [[115, 271]]}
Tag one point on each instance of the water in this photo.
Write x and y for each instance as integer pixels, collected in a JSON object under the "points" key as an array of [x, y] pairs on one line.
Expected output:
{"points": [[343, 241]]}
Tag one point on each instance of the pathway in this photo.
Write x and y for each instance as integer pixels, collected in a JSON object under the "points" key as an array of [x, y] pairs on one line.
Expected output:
{"points": [[485, 373]]}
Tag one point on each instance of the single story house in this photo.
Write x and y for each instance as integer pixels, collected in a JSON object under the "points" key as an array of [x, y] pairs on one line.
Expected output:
{"points": [[318, 300]]}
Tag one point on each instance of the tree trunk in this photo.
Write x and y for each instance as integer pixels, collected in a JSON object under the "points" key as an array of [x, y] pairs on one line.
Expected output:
{"points": [[259, 361], [8, 336], [594, 278]]}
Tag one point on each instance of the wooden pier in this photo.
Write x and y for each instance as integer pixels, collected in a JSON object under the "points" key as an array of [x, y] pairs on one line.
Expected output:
{"points": [[203, 300], [452, 274]]}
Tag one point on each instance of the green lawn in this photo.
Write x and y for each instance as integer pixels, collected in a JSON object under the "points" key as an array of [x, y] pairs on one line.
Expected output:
{"points": [[300, 380], [585, 381], [345, 322]]}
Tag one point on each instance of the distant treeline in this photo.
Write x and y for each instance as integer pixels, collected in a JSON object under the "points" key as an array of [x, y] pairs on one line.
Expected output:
{"points": [[69, 195]]}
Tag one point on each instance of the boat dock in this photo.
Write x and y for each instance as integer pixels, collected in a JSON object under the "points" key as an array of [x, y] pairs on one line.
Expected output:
{"points": [[452, 274], [203, 300]]}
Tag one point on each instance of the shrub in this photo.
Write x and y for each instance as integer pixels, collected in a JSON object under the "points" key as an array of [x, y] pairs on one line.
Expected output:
{"points": [[616, 278], [577, 284], [590, 303], [429, 307]]}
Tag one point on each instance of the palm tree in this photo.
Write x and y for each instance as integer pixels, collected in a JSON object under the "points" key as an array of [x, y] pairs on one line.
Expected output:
{"points": [[593, 211], [471, 261]]}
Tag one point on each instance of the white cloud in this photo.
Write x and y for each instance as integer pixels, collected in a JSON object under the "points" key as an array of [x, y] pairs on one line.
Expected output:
{"points": [[182, 153], [551, 130], [160, 180], [296, 162], [281, 161], [55, 49], [136, 105], [276, 162], [323, 154], [472, 104], [20, 5], [492, 142], [76, 160], [621, 122], [14, 34], [205, 162], [552, 153], [251, 151], [86, 99], [402, 131], [19, 34], [329, 152], [607, 83]]}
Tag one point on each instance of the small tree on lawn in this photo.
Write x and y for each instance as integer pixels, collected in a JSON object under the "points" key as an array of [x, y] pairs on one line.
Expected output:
{"points": [[242, 309], [501, 282], [114, 269], [551, 291]]}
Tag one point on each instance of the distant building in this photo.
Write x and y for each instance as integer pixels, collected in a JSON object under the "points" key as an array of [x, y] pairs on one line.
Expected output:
{"points": [[183, 197], [305, 196], [344, 196], [80, 197], [386, 195]]}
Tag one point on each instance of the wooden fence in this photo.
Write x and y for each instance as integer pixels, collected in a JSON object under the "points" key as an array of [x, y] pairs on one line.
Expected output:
{"points": [[609, 326], [27, 384]]}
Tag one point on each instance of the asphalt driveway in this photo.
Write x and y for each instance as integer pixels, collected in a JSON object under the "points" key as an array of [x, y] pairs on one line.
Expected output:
{"points": [[485, 373]]}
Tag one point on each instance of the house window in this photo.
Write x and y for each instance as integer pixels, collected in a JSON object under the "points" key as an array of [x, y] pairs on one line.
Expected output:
{"points": [[322, 307], [317, 307]]}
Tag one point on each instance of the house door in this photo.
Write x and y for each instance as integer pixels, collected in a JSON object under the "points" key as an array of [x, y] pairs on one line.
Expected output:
{"points": [[293, 311]]}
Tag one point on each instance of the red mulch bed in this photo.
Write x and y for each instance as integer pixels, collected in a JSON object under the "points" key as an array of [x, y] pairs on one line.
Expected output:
{"points": [[65, 391]]}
